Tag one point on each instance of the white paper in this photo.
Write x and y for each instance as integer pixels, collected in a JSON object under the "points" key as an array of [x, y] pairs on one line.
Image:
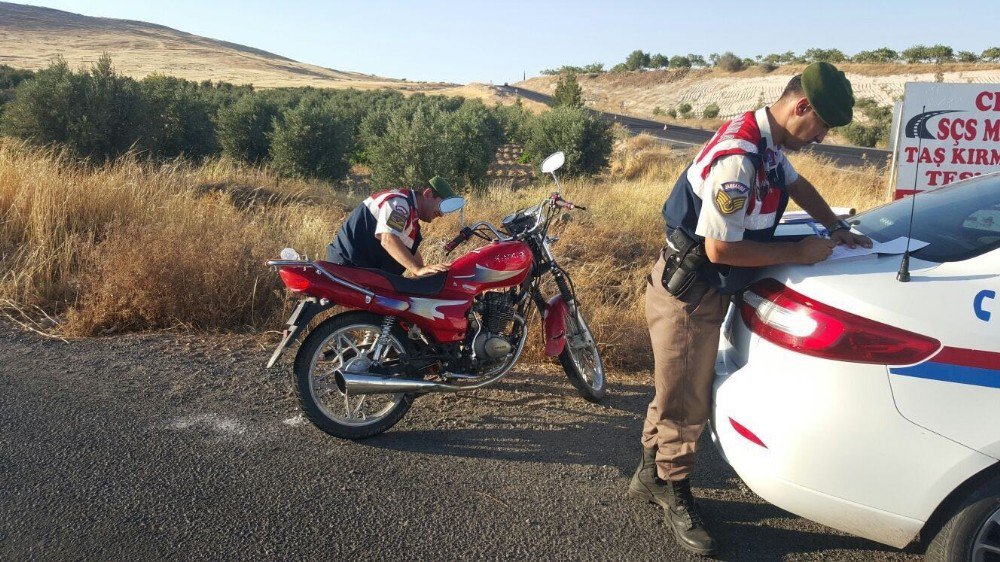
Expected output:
{"points": [[897, 246], [843, 252]]}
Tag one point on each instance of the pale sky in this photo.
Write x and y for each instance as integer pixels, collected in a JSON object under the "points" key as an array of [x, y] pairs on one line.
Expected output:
{"points": [[500, 41]]}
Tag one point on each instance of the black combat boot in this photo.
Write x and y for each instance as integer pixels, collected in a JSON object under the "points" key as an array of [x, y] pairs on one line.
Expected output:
{"points": [[679, 510], [645, 485], [684, 520]]}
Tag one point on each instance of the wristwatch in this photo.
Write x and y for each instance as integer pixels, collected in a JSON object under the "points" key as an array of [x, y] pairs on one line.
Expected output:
{"points": [[841, 224]]}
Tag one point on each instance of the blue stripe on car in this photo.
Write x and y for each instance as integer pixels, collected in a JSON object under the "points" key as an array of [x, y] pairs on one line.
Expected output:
{"points": [[951, 373]]}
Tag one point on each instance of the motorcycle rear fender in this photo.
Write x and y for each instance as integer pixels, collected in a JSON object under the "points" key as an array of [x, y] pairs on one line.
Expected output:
{"points": [[296, 323], [554, 320]]}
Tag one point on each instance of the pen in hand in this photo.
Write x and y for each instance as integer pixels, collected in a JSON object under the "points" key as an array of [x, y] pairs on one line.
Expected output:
{"points": [[816, 230]]}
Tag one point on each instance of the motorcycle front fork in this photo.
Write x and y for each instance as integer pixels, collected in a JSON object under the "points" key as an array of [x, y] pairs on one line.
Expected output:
{"points": [[565, 290]]}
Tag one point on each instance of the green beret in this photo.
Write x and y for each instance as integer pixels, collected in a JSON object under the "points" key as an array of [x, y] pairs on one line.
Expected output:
{"points": [[441, 187], [829, 93]]}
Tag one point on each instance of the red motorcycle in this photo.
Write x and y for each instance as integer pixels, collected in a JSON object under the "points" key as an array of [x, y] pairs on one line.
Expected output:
{"points": [[358, 372]]}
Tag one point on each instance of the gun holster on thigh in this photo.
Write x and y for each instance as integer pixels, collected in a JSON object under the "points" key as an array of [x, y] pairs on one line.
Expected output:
{"points": [[684, 256]]}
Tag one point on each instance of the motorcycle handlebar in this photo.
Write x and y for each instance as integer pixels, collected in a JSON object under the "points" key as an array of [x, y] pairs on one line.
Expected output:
{"points": [[564, 204], [462, 236]]}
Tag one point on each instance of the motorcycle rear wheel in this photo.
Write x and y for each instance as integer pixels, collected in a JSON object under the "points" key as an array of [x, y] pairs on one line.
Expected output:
{"points": [[580, 358], [345, 341]]}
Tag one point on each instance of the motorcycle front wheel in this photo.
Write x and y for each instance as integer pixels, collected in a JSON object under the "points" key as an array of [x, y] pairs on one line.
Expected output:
{"points": [[580, 358], [347, 342]]}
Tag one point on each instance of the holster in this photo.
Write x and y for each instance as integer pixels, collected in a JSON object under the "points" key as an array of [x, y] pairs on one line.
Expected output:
{"points": [[682, 264]]}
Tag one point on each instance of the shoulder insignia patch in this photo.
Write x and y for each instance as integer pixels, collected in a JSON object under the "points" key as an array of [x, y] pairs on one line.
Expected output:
{"points": [[397, 220], [731, 197], [735, 188]]}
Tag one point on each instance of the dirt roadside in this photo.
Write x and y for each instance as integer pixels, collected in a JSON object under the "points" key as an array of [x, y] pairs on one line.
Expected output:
{"points": [[179, 445]]}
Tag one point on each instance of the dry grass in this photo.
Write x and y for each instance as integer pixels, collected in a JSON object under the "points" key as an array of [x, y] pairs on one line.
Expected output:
{"points": [[859, 188], [643, 156], [647, 161], [135, 245]]}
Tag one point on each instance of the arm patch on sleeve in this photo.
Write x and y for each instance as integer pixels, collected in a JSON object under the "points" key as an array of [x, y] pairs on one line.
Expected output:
{"points": [[731, 197], [397, 220]]}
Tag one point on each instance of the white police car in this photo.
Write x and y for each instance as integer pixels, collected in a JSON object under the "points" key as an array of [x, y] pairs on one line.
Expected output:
{"points": [[872, 405]]}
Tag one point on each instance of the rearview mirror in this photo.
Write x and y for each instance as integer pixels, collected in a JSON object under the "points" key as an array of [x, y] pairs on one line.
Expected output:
{"points": [[553, 162], [452, 204]]}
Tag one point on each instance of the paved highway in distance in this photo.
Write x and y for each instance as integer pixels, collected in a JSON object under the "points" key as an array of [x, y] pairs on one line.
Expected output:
{"points": [[685, 136]]}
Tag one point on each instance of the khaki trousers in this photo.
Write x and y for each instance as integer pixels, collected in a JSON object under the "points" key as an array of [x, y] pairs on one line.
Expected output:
{"points": [[685, 336]]}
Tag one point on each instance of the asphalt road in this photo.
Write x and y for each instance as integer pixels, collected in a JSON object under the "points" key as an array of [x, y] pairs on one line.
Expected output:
{"points": [[688, 137], [184, 447]]}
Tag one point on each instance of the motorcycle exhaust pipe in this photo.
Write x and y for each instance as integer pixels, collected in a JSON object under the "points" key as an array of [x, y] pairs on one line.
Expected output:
{"points": [[367, 383]]}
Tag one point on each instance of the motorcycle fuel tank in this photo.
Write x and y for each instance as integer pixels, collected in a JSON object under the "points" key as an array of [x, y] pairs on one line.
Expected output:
{"points": [[496, 265]]}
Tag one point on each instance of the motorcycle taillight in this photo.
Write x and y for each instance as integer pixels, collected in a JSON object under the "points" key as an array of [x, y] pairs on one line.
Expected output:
{"points": [[791, 320], [294, 280]]}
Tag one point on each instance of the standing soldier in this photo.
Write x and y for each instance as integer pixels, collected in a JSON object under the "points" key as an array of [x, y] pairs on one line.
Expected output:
{"points": [[720, 222]]}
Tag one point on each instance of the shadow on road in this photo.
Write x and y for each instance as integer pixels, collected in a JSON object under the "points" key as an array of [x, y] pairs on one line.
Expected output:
{"points": [[530, 418], [760, 531], [539, 419]]}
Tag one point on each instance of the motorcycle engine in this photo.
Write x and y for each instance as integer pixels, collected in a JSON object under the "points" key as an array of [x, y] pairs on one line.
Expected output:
{"points": [[497, 311], [494, 347]]}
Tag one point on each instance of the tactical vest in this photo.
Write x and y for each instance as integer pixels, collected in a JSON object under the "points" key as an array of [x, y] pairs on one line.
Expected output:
{"points": [[356, 244], [683, 206]]}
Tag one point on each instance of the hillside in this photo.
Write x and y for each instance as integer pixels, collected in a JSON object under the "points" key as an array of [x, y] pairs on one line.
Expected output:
{"points": [[640, 93], [32, 37]]}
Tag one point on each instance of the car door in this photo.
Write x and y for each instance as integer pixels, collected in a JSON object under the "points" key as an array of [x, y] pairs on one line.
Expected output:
{"points": [[956, 393]]}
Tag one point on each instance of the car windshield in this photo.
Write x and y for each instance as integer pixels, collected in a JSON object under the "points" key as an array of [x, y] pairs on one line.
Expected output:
{"points": [[959, 221]]}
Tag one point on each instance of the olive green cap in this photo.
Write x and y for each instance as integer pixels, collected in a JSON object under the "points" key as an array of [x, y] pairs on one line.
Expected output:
{"points": [[829, 93], [441, 187]]}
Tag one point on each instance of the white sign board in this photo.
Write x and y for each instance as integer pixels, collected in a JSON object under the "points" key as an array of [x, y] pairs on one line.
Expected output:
{"points": [[948, 132]]}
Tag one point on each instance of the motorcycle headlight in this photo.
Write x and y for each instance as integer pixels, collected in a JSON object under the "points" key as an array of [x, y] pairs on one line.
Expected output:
{"points": [[520, 221]]}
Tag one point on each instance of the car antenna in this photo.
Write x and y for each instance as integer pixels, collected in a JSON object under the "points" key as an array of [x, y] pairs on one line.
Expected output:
{"points": [[903, 275]]}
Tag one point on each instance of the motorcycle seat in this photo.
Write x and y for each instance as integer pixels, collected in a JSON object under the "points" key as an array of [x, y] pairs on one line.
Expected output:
{"points": [[421, 286], [378, 279]]}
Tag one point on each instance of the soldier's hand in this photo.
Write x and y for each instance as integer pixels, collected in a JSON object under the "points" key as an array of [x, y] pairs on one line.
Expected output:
{"points": [[431, 269], [814, 249], [852, 239]]}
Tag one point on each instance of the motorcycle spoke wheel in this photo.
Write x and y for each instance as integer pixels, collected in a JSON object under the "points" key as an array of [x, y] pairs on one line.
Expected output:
{"points": [[348, 343], [581, 359], [353, 349]]}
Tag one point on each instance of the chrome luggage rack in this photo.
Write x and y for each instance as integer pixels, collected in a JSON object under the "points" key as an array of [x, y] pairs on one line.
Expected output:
{"points": [[319, 268]]}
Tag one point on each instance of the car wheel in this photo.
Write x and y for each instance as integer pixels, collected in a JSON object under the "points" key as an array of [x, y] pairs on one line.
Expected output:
{"points": [[973, 532]]}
